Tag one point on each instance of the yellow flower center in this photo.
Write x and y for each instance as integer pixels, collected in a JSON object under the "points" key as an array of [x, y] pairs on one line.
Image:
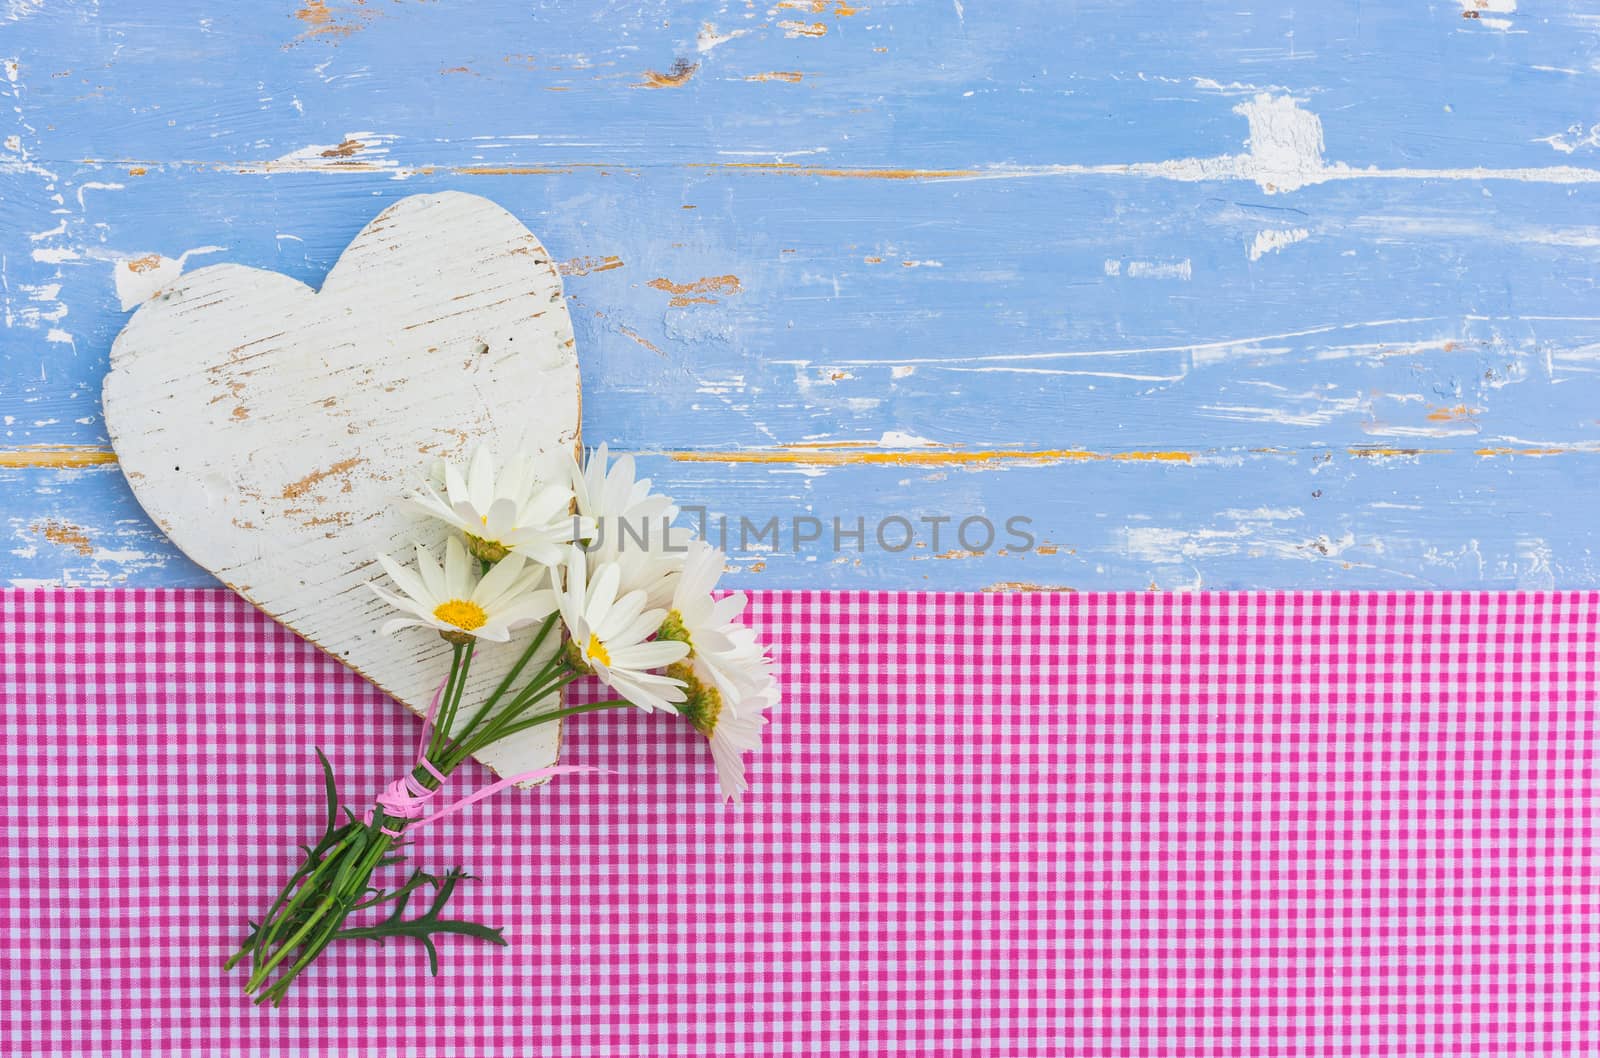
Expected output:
{"points": [[465, 615], [597, 651]]}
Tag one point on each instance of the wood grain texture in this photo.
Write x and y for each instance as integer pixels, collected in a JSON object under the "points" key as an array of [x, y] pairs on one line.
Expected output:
{"points": [[269, 429], [1303, 296]]}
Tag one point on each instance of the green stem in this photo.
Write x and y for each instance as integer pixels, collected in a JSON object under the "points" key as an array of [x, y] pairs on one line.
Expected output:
{"points": [[561, 714], [503, 721], [281, 914], [338, 899], [487, 708], [455, 686]]}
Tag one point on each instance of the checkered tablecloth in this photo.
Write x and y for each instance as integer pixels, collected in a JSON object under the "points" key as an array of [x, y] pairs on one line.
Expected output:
{"points": [[1098, 825]]}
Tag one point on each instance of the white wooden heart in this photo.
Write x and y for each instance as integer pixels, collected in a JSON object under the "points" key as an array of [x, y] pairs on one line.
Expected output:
{"points": [[271, 429]]}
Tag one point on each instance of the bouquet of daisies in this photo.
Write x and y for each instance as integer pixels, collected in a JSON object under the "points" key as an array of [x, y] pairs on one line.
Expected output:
{"points": [[567, 564]]}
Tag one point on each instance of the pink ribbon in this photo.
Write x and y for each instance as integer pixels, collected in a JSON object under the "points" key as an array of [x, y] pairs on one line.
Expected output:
{"points": [[406, 798]]}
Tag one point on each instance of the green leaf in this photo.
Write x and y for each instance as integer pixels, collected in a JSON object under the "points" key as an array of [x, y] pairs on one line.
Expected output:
{"points": [[332, 791], [426, 926]]}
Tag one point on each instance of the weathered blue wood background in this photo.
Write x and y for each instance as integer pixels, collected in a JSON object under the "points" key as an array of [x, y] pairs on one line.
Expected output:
{"points": [[1301, 295]]}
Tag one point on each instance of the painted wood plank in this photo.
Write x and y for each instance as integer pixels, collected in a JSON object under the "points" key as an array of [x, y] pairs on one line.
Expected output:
{"points": [[893, 83], [1051, 314], [1241, 519]]}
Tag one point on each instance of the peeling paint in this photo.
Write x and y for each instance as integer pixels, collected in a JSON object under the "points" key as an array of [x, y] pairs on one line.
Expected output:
{"points": [[793, 28], [323, 21], [64, 534], [1272, 241], [298, 489], [582, 266], [708, 37], [1182, 270], [681, 73], [357, 152], [1574, 138], [1481, 12], [640, 339], [138, 279], [707, 290]]}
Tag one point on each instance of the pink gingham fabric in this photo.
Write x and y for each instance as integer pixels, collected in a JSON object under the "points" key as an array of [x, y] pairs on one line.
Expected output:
{"points": [[1046, 825]]}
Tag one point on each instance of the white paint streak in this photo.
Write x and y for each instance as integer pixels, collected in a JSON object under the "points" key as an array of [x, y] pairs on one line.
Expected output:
{"points": [[896, 439], [1577, 136], [1183, 269], [95, 185], [17, 10], [1200, 352], [1392, 228], [1160, 546], [1298, 409], [1284, 152], [1272, 241], [709, 38]]}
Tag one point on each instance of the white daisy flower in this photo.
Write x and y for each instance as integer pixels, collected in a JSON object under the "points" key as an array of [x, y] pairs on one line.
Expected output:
{"points": [[731, 733], [504, 512], [457, 603], [610, 634], [631, 526], [722, 653]]}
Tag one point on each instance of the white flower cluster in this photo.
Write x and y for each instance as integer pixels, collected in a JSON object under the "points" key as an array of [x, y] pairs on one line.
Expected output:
{"points": [[634, 592]]}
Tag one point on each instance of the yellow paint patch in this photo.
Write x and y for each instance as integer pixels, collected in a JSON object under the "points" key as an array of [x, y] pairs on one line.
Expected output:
{"points": [[792, 28], [703, 291], [57, 457], [148, 263], [64, 534], [682, 72], [786, 76], [1458, 413], [314, 13], [345, 149], [818, 456], [1523, 451], [817, 7], [297, 489], [323, 21], [641, 339]]}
